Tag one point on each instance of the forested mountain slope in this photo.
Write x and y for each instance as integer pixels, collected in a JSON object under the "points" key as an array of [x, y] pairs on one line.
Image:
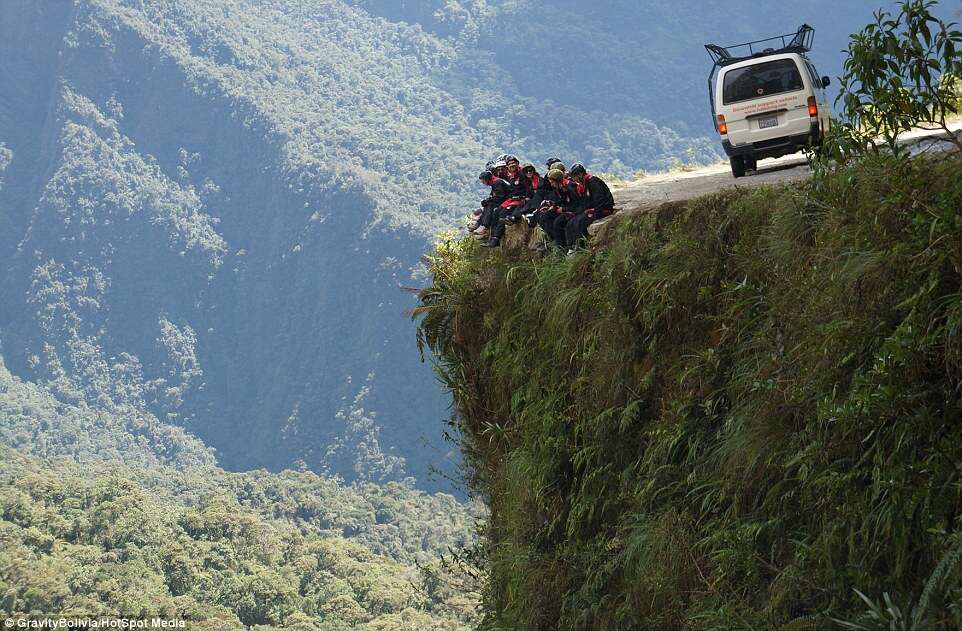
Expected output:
{"points": [[227, 551], [603, 68], [187, 212], [207, 207]]}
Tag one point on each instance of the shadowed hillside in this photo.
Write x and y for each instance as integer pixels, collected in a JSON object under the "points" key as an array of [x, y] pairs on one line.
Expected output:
{"points": [[207, 208]]}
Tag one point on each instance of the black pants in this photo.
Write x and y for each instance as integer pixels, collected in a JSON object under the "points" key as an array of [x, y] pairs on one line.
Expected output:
{"points": [[577, 228], [489, 216], [498, 228], [563, 230], [547, 222]]}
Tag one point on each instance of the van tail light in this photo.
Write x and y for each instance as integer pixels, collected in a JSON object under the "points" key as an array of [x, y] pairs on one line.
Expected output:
{"points": [[722, 125], [812, 107]]}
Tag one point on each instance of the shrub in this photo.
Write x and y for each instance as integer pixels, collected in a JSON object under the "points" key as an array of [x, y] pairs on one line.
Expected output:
{"points": [[900, 73]]}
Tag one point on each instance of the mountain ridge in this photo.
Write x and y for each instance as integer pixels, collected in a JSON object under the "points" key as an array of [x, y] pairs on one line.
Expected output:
{"points": [[255, 180]]}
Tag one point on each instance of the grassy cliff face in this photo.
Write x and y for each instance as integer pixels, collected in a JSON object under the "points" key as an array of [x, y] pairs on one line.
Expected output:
{"points": [[731, 415]]}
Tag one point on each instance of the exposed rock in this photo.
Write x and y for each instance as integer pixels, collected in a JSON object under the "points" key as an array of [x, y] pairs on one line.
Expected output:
{"points": [[601, 230], [516, 237], [520, 238]]}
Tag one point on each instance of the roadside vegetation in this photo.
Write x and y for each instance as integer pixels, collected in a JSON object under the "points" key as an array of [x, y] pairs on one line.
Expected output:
{"points": [[737, 412], [902, 73]]}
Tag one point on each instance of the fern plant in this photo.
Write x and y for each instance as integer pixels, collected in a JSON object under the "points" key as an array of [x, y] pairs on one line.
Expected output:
{"points": [[888, 615]]}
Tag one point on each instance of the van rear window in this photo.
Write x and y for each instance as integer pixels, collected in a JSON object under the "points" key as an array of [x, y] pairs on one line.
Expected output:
{"points": [[761, 80]]}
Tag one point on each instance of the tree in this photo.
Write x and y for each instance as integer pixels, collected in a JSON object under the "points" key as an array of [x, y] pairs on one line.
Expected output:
{"points": [[901, 73]]}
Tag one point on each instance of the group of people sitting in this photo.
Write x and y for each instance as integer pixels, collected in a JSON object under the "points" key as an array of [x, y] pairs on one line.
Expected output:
{"points": [[564, 202]]}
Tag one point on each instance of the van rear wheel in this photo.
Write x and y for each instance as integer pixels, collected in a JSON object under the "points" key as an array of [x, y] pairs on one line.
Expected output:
{"points": [[738, 166]]}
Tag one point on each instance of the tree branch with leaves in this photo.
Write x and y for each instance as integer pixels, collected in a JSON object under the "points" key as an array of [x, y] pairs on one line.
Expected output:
{"points": [[902, 72]]}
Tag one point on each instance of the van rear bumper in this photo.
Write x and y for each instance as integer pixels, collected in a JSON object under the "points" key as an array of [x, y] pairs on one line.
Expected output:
{"points": [[776, 147]]}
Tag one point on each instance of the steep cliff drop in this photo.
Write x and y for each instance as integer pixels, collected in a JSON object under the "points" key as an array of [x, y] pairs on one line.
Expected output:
{"points": [[731, 412]]}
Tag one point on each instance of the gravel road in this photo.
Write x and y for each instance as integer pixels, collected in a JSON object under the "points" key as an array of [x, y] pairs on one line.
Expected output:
{"points": [[677, 186]]}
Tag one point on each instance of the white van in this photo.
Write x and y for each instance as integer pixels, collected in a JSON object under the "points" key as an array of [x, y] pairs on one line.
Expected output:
{"points": [[770, 103]]}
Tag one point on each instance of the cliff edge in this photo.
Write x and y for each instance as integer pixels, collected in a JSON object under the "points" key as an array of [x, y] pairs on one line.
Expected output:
{"points": [[734, 412]]}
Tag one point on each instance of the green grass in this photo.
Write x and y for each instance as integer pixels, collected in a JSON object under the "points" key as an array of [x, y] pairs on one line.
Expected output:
{"points": [[733, 415]]}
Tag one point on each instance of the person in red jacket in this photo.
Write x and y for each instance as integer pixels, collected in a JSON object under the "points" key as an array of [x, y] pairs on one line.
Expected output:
{"points": [[591, 199], [491, 206], [531, 181], [515, 201], [530, 188], [552, 214], [575, 194], [514, 177]]}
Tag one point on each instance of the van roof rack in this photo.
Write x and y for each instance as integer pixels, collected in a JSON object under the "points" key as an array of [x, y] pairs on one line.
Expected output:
{"points": [[798, 42]]}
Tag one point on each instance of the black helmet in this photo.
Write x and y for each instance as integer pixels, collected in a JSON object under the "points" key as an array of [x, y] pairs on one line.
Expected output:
{"points": [[485, 176], [489, 165], [551, 161], [577, 169]]}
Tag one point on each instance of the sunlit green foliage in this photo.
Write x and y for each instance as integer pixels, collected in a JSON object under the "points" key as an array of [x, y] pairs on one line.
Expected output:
{"points": [[399, 110], [900, 73], [227, 550], [731, 415], [34, 421]]}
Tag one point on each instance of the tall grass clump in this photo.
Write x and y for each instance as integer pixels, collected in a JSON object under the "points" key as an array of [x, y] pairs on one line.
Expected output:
{"points": [[743, 412]]}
